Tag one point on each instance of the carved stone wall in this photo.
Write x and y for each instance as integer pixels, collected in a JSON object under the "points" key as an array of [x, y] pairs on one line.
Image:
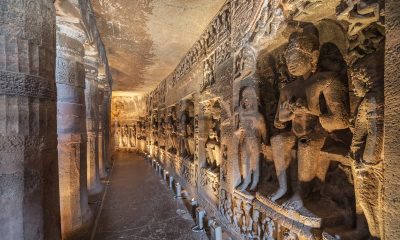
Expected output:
{"points": [[29, 196], [288, 115], [129, 128], [391, 124]]}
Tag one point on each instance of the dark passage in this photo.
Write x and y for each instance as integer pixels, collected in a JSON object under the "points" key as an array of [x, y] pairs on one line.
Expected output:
{"points": [[139, 205]]}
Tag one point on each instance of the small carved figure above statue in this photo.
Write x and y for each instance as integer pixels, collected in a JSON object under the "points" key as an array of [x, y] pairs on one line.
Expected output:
{"points": [[209, 78], [250, 134]]}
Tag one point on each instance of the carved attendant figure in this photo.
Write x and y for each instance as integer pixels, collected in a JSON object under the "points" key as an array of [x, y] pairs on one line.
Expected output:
{"points": [[213, 141], [186, 143], [238, 213], [256, 229], [228, 208], [125, 137], [367, 145], [299, 103], [268, 227], [132, 135], [252, 130]]}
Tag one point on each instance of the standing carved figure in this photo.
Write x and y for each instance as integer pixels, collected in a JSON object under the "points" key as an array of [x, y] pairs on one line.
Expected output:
{"points": [[213, 141], [311, 120], [186, 142], [118, 135], [222, 202], [208, 74], [171, 131], [367, 145], [256, 229], [251, 132], [125, 136], [268, 229], [247, 226], [132, 135], [228, 208], [237, 214]]}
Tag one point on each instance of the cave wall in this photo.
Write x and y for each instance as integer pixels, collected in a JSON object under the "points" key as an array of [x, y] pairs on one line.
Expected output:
{"points": [[274, 120]]}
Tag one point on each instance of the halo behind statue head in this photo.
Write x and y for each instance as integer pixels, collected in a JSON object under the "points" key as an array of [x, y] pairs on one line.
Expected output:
{"points": [[249, 92], [306, 40]]}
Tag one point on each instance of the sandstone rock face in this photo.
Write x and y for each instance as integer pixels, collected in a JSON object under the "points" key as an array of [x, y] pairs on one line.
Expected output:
{"points": [[391, 123], [292, 132], [29, 195]]}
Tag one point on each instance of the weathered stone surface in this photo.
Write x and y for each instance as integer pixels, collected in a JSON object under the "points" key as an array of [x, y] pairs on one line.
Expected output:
{"points": [[295, 148], [71, 127], [391, 205], [29, 195]]}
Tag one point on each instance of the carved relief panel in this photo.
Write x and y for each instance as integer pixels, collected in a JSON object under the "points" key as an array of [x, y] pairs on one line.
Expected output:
{"points": [[300, 157]]}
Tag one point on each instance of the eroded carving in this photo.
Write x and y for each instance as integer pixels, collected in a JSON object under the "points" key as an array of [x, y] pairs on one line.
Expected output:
{"points": [[250, 134], [300, 103], [367, 144]]}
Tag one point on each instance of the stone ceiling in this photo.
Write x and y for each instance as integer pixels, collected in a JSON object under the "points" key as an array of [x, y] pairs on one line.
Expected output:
{"points": [[146, 39]]}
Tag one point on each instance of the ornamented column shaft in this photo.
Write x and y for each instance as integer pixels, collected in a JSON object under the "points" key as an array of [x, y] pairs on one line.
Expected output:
{"points": [[29, 197], [71, 126], [93, 176], [107, 124], [101, 107], [391, 199]]}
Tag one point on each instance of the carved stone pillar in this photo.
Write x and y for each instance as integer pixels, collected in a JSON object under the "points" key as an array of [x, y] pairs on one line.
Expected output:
{"points": [[29, 198], [391, 200], [71, 127], [101, 107], [107, 124], [92, 112]]}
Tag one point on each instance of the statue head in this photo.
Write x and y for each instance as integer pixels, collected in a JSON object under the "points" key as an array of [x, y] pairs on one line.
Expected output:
{"points": [[256, 215], [249, 98], [247, 207], [367, 73], [360, 81], [289, 235], [302, 52]]}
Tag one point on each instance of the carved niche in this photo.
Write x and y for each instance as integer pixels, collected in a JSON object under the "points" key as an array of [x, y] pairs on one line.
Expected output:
{"points": [[208, 73], [154, 128], [162, 128], [186, 130], [171, 130], [210, 171]]}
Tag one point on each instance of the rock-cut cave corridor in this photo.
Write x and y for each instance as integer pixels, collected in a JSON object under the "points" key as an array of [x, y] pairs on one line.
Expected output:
{"points": [[199, 119]]}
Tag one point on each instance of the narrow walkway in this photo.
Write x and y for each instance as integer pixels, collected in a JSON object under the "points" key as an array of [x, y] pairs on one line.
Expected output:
{"points": [[139, 205]]}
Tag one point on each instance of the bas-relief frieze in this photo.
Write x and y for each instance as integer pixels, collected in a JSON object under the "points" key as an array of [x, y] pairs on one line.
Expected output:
{"points": [[301, 153]]}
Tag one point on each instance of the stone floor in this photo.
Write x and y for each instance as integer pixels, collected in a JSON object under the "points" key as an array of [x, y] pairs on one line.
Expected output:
{"points": [[139, 205]]}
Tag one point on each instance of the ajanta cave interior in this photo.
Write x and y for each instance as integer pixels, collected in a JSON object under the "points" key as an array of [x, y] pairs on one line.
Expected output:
{"points": [[199, 119]]}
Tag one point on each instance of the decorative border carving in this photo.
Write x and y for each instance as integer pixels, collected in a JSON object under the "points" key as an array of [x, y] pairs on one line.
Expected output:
{"points": [[21, 84]]}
